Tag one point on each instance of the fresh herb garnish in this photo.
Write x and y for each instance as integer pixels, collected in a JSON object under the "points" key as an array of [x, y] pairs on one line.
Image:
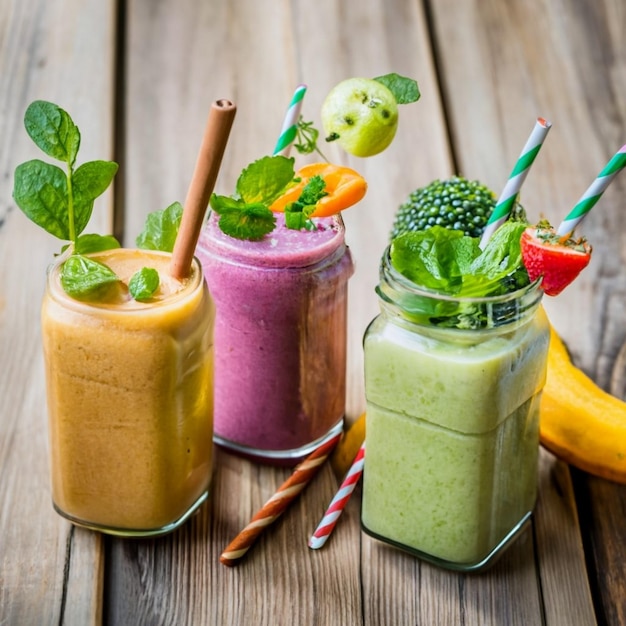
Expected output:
{"points": [[448, 261], [297, 214], [143, 283], [60, 201], [246, 215], [84, 279], [161, 228], [306, 138]]}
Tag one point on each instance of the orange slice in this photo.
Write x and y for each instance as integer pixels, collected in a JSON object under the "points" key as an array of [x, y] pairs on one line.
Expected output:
{"points": [[344, 187]]}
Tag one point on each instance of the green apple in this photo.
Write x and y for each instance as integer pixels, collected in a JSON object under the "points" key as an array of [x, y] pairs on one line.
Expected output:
{"points": [[361, 115]]}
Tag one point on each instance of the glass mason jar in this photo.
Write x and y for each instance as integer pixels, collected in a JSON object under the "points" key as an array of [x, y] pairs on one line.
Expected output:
{"points": [[130, 401], [280, 338], [452, 388]]}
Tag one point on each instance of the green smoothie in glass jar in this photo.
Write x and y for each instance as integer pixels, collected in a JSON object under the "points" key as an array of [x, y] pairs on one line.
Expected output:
{"points": [[452, 384]]}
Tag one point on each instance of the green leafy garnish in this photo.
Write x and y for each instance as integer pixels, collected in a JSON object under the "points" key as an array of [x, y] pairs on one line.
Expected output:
{"points": [[246, 215], [61, 202], [297, 214], [405, 90], [306, 138], [161, 228], [143, 283], [448, 261], [85, 279], [244, 221], [86, 244]]}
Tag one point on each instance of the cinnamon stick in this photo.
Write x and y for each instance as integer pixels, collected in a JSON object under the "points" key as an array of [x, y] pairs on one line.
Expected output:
{"points": [[219, 123]]}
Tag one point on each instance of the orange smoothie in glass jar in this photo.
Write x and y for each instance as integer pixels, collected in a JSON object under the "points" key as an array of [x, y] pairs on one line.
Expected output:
{"points": [[130, 399]]}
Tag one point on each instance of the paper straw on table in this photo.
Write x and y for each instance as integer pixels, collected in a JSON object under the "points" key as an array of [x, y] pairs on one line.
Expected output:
{"points": [[507, 198], [338, 503], [593, 193], [219, 123], [279, 502], [290, 125]]}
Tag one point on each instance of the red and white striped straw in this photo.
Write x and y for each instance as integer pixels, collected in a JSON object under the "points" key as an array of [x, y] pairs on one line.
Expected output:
{"points": [[338, 503]]}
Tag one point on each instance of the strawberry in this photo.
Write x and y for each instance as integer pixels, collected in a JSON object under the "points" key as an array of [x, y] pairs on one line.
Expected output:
{"points": [[544, 253]]}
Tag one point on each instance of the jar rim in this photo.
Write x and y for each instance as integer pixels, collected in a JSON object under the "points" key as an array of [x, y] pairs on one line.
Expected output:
{"points": [[56, 291]]}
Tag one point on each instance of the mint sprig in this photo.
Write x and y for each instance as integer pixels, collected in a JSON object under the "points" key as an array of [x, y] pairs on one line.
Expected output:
{"points": [[246, 214]]}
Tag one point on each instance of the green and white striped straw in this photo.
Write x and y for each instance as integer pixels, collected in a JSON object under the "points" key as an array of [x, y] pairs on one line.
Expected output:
{"points": [[290, 125], [593, 193], [507, 198]]}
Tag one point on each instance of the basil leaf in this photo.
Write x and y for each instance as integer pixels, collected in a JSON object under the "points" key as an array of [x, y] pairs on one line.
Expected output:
{"points": [[144, 283], [405, 90], [83, 278], [95, 243], [40, 191], [53, 130], [89, 181], [265, 179], [161, 228]]}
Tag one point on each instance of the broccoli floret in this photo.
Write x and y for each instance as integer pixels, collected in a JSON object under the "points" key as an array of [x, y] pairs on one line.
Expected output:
{"points": [[455, 203]]}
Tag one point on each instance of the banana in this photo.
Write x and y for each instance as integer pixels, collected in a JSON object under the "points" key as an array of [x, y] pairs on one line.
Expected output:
{"points": [[579, 422]]}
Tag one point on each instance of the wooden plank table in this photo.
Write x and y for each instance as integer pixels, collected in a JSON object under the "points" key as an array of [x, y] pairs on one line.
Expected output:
{"points": [[138, 78]]}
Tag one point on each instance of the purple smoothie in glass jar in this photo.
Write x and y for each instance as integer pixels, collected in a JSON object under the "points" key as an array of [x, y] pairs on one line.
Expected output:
{"points": [[280, 337]]}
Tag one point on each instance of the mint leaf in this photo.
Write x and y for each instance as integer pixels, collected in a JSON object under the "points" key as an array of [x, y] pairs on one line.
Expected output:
{"points": [[434, 258], [53, 130], [95, 243], [265, 179], [497, 268], [161, 228], [448, 261], [40, 191], [243, 221], [83, 278], [143, 283], [404, 89]]}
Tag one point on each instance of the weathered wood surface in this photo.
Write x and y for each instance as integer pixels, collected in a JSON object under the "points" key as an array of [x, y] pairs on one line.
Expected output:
{"points": [[486, 70], [49, 573]]}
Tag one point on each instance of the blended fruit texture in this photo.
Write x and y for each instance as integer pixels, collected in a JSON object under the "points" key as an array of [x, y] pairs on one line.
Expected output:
{"points": [[452, 438], [280, 336], [130, 398]]}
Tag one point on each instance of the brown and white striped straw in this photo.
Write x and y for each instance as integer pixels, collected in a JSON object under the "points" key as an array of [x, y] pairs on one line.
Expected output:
{"points": [[278, 503]]}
